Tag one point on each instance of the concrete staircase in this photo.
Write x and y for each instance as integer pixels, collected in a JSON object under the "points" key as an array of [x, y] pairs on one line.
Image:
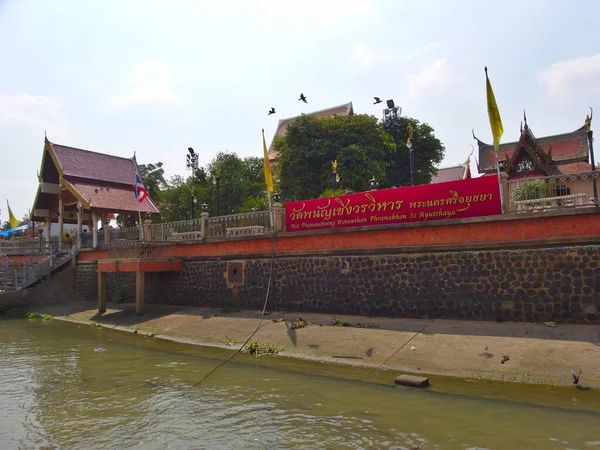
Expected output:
{"points": [[19, 272]]}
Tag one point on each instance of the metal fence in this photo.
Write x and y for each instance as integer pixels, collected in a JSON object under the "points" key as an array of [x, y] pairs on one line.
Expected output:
{"points": [[577, 190], [254, 223], [139, 249], [176, 231]]}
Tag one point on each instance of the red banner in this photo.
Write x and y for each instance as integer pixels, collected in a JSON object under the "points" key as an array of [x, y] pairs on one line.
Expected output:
{"points": [[474, 197]]}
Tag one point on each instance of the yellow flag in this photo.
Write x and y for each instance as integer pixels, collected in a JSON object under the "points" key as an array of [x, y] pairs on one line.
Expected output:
{"points": [[14, 223], [493, 113], [267, 165]]}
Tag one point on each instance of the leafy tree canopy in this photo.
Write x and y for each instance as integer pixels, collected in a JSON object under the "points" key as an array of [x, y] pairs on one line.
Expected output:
{"points": [[363, 147], [153, 177], [428, 152], [359, 144]]}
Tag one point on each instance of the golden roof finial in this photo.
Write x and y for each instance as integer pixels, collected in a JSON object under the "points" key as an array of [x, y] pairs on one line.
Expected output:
{"points": [[334, 166], [588, 120]]}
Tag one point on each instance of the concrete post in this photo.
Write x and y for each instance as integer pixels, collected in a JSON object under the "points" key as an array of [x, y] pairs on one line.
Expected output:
{"points": [[61, 212], [148, 230], [47, 225], [139, 293], [101, 292], [94, 230], [505, 193], [278, 216], [79, 223], [203, 224]]}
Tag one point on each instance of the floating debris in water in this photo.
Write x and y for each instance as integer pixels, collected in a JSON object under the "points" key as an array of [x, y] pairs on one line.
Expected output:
{"points": [[99, 349], [413, 349], [505, 358]]}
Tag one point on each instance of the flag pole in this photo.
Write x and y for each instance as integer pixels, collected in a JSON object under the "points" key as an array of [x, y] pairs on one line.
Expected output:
{"points": [[497, 128], [499, 180]]}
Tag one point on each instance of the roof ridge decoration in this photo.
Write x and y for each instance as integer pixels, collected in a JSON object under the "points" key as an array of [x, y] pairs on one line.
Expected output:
{"points": [[528, 142]]}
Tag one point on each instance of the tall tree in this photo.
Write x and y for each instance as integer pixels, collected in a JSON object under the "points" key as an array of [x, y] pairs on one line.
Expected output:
{"points": [[358, 143], [427, 149], [239, 181], [177, 198], [153, 177]]}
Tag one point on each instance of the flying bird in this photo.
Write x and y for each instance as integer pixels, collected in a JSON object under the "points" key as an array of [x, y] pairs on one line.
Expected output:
{"points": [[575, 377], [303, 98], [271, 111], [377, 100]]}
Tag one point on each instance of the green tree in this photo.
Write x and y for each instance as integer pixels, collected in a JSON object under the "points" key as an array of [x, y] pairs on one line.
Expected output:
{"points": [[153, 177], [177, 198], [5, 226], [359, 143], [241, 182], [428, 152]]}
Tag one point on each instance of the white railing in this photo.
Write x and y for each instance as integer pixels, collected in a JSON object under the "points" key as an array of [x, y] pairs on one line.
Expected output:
{"points": [[176, 231], [126, 233], [247, 224], [577, 190]]}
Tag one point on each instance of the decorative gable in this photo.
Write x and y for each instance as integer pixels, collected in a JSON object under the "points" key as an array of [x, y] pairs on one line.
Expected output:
{"points": [[529, 156]]}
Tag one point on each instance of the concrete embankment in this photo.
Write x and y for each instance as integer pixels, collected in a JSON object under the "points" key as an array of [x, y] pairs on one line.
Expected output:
{"points": [[517, 352]]}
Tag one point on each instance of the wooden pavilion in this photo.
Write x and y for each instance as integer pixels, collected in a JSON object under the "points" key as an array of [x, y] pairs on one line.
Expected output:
{"points": [[80, 186]]}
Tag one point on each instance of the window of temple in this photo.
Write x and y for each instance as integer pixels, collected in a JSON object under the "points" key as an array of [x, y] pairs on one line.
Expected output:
{"points": [[562, 190]]}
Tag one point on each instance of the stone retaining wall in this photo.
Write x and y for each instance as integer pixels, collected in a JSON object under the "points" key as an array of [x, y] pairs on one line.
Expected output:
{"points": [[560, 284]]}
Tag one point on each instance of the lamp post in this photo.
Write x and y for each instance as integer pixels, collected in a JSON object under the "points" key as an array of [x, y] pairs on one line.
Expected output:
{"points": [[215, 180], [409, 144], [373, 183], [193, 205], [334, 174]]}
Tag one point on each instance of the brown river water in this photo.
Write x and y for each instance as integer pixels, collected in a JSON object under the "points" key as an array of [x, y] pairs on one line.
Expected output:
{"points": [[64, 386]]}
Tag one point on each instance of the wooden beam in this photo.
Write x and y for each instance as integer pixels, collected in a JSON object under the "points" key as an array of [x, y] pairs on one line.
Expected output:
{"points": [[41, 213], [50, 188]]}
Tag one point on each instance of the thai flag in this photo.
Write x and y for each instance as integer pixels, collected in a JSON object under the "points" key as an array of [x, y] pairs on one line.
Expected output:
{"points": [[140, 191]]}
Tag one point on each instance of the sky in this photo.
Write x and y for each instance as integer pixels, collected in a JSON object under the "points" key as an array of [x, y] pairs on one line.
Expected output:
{"points": [[156, 77]]}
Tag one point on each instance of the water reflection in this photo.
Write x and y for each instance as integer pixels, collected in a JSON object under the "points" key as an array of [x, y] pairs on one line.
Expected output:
{"points": [[58, 392]]}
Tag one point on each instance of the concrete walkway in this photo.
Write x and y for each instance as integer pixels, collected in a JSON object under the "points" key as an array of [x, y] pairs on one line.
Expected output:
{"points": [[538, 354]]}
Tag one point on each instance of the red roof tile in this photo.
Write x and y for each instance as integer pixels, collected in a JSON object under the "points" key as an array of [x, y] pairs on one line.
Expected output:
{"points": [[564, 147], [114, 199], [448, 174], [79, 163], [573, 167]]}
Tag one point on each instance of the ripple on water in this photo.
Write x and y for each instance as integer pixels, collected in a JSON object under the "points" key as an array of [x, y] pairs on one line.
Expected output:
{"points": [[55, 393]]}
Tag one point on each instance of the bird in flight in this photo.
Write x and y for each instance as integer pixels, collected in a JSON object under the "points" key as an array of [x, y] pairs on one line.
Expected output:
{"points": [[377, 100], [575, 377], [303, 98], [271, 111]]}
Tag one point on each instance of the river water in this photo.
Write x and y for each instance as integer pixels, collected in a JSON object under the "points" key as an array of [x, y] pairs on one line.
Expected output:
{"points": [[69, 386]]}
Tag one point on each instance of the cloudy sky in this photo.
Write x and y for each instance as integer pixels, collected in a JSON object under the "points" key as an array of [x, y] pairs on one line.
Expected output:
{"points": [[156, 77]]}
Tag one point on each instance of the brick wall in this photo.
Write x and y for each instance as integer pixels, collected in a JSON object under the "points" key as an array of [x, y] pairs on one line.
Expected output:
{"points": [[560, 284]]}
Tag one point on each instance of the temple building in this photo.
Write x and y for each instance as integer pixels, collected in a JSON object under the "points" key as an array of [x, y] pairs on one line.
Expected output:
{"points": [[565, 153], [83, 187], [453, 173]]}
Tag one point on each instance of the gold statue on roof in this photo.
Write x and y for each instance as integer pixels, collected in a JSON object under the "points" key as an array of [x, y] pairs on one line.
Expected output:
{"points": [[588, 123], [334, 166]]}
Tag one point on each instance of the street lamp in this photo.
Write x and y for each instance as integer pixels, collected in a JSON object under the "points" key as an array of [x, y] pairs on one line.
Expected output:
{"points": [[335, 175], [194, 201], [409, 144], [215, 180], [192, 160], [373, 183]]}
